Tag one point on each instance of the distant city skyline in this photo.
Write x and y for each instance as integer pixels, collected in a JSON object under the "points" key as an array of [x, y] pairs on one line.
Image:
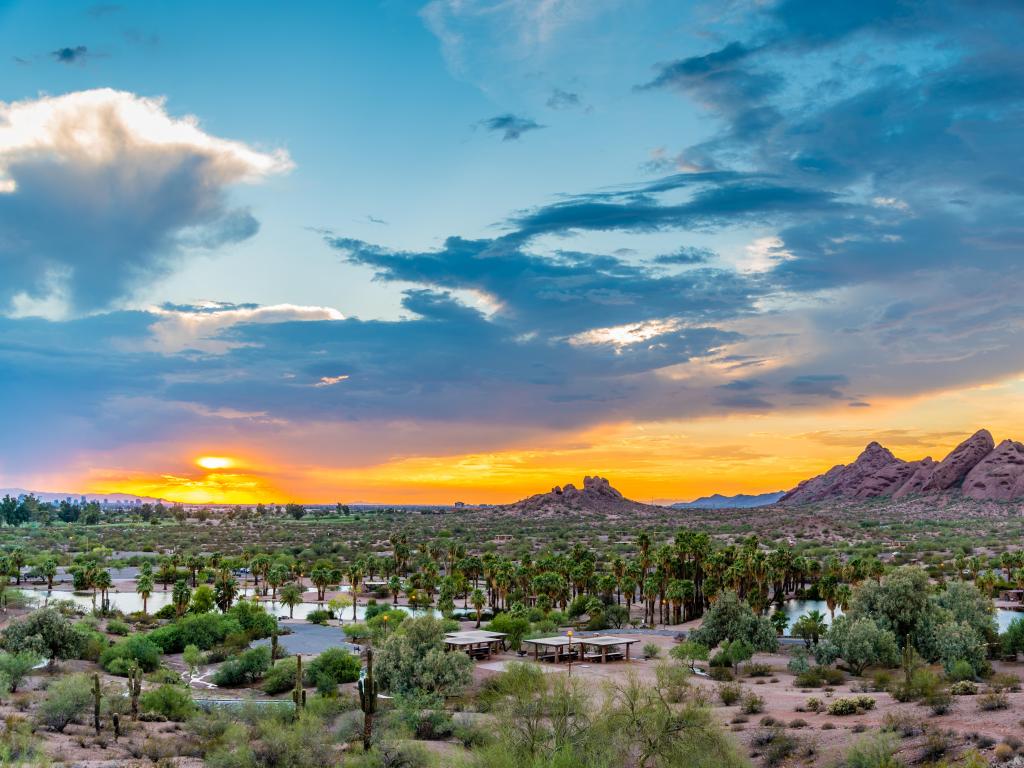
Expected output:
{"points": [[470, 249]]}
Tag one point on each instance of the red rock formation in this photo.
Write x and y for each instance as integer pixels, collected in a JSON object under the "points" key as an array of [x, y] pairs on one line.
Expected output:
{"points": [[952, 470], [597, 495], [999, 476], [975, 467]]}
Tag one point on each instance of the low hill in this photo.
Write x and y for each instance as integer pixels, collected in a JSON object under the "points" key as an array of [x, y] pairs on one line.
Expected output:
{"points": [[596, 496], [739, 501]]}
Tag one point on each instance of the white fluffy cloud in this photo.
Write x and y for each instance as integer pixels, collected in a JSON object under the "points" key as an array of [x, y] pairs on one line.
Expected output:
{"points": [[100, 190]]}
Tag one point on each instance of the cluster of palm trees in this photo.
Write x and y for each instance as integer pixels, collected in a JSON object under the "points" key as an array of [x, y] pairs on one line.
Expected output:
{"points": [[671, 582]]}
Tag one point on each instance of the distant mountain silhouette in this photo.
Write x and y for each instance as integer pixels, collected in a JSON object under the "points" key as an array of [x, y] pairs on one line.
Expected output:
{"points": [[977, 468], [739, 501]]}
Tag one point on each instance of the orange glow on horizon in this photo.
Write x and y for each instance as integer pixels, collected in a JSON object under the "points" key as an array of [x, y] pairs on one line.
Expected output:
{"points": [[660, 461]]}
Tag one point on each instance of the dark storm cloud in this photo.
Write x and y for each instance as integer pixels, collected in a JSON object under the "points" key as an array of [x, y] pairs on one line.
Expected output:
{"points": [[510, 126], [559, 295], [159, 198]]}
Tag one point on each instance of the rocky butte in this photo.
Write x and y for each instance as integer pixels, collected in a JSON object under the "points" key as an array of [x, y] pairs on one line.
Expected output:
{"points": [[597, 495], [977, 468]]}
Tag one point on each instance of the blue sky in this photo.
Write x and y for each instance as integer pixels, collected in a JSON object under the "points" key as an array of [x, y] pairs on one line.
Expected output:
{"points": [[340, 242]]}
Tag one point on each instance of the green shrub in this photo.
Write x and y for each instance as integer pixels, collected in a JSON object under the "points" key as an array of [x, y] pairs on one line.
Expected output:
{"points": [[172, 701], [878, 751], [851, 706], [751, 703], [247, 668], [117, 659], [963, 688], [15, 667], [960, 670], [280, 677], [203, 630], [253, 619], [319, 616], [118, 627], [758, 669], [67, 699], [336, 665], [729, 693]]}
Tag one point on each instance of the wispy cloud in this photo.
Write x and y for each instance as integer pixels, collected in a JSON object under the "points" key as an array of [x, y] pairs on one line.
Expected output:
{"points": [[511, 127]]}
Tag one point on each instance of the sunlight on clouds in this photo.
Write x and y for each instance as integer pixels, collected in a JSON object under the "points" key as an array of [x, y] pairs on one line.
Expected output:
{"points": [[98, 126], [199, 328], [625, 335]]}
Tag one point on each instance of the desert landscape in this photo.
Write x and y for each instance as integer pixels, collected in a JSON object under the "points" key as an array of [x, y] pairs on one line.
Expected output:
{"points": [[873, 624]]}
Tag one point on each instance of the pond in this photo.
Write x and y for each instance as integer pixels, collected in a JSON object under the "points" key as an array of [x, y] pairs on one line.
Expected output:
{"points": [[796, 608], [130, 602]]}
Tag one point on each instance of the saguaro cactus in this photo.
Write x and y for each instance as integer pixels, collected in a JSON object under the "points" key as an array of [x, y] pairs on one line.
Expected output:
{"points": [[116, 720], [135, 689], [298, 694], [96, 694], [274, 650], [368, 699]]}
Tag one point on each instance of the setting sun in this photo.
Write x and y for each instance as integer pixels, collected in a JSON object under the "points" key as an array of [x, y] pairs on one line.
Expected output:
{"points": [[214, 462]]}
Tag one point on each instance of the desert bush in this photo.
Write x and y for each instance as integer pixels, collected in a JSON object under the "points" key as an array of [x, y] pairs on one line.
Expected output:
{"points": [[851, 706], [878, 751], [758, 669], [172, 701], [319, 616], [137, 649], [963, 688], [14, 668], [960, 670], [729, 693], [118, 627], [247, 668], [335, 665], [67, 699], [1003, 752], [992, 701], [751, 703], [1004, 681], [939, 702]]}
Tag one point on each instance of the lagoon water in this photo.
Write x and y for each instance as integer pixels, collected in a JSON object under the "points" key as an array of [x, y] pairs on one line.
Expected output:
{"points": [[130, 602]]}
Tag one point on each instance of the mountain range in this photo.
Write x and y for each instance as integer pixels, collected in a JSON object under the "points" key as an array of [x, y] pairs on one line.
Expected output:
{"points": [[739, 501], [977, 469]]}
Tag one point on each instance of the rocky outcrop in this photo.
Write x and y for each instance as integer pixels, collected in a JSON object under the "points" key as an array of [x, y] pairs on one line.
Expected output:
{"points": [[916, 482], [999, 476], [975, 467], [952, 470], [597, 495], [876, 472]]}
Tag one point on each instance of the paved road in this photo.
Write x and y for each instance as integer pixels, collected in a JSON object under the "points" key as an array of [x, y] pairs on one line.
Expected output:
{"points": [[311, 638]]}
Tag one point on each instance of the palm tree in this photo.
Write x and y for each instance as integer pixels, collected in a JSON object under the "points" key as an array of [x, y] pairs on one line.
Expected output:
{"points": [[144, 586], [479, 601], [395, 588], [355, 576], [180, 597], [275, 578], [194, 563], [48, 568], [16, 557], [103, 583], [811, 626], [291, 595]]}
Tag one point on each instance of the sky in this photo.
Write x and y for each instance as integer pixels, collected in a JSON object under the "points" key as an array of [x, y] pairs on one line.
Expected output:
{"points": [[467, 250]]}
